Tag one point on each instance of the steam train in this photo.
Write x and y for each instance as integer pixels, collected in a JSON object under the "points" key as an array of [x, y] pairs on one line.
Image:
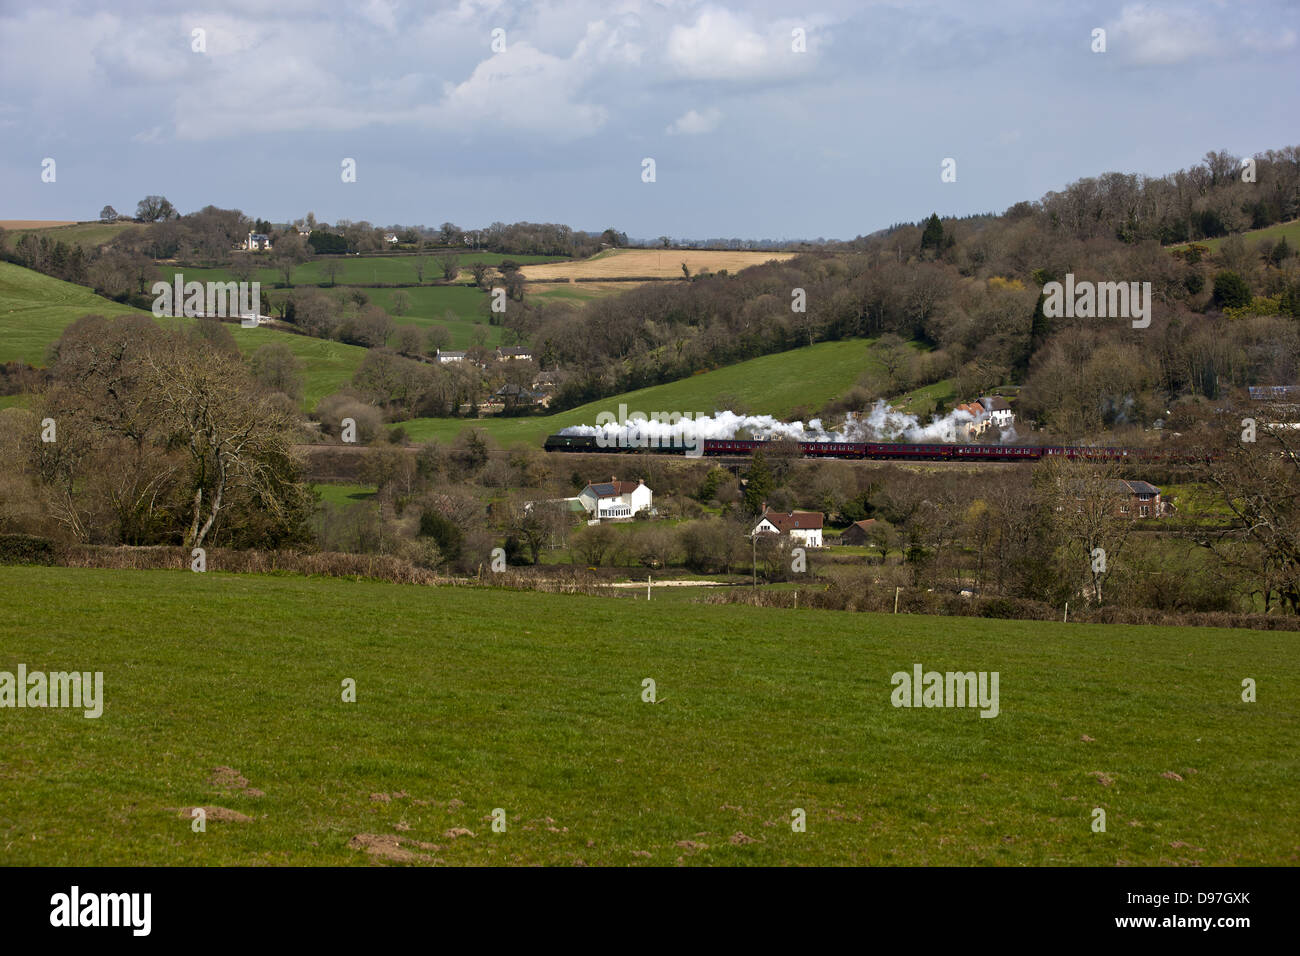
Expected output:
{"points": [[875, 451]]}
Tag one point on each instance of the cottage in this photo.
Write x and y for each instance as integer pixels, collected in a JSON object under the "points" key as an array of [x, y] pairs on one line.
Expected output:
{"points": [[614, 499], [998, 410], [510, 353], [859, 533], [257, 242], [513, 396], [444, 356], [801, 527]]}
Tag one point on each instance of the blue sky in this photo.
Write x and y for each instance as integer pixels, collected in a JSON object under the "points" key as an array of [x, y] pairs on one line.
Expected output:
{"points": [[749, 137]]}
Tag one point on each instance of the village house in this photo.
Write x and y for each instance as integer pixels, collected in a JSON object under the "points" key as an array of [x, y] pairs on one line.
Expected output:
{"points": [[999, 411], [616, 500], [858, 533], [444, 356], [390, 237], [513, 396], [979, 424], [1140, 499], [257, 242], [800, 527], [510, 353]]}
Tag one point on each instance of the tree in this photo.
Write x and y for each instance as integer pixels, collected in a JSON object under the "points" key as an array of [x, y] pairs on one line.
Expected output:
{"points": [[289, 253], [238, 441], [155, 208], [932, 235], [278, 369], [331, 267], [1230, 291], [409, 340], [758, 484], [450, 266], [108, 214], [400, 303]]}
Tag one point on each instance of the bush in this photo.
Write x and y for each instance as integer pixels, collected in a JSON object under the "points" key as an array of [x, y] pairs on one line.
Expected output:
{"points": [[26, 549]]}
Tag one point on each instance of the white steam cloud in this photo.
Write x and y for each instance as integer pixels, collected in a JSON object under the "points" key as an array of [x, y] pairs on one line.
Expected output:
{"points": [[882, 423]]}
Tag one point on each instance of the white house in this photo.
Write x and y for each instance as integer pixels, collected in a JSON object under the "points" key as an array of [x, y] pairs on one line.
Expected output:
{"points": [[448, 356], [614, 499], [390, 237], [257, 242], [999, 411], [803, 527]]}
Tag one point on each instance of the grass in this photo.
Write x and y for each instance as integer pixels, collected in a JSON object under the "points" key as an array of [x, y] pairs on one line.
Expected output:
{"points": [[770, 384], [355, 270], [88, 235], [1289, 230], [470, 700], [342, 495], [36, 308]]}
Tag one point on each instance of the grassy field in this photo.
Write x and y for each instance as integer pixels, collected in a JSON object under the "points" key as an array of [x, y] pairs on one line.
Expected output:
{"points": [[35, 309], [1289, 230], [89, 235], [355, 270], [224, 691], [342, 495], [770, 384]]}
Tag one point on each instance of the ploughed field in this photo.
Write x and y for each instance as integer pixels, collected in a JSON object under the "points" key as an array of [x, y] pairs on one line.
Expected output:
{"points": [[225, 692]]}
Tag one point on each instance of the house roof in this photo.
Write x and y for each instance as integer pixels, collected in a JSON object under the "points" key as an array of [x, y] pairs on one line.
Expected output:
{"points": [[974, 409], [1263, 392], [788, 521], [514, 350], [612, 489], [995, 403], [863, 525]]}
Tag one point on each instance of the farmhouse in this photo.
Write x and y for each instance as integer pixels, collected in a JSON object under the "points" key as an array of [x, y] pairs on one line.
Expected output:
{"points": [[257, 242], [510, 353], [1140, 499], [858, 533], [445, 356], [803, 527], [614, 499]]}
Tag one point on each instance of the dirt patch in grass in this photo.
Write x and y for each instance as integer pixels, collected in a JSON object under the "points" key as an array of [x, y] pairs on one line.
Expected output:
{"points": [[390, 847], [230, 780], [217, 813]]}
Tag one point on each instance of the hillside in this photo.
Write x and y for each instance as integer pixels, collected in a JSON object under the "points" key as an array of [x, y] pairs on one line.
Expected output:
{"points": [[88, 235], [1290, 231], [769, 385], [35, 309], [461, 709]]}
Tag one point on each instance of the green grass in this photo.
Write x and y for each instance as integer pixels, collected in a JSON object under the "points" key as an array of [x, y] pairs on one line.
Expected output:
{"points": [[1290, 230], [770, 384], [355, 270], [343, 495], [922, 401], [88, 235], [470, 700], [36, 308]]}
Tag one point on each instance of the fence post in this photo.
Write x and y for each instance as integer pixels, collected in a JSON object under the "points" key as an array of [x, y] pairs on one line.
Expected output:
{"points": [[896, 590], [647, 587], [1067, 613]]}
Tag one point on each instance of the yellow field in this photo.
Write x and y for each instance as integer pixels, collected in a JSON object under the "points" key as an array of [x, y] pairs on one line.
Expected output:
{"points": [[651, 263], [35, 223]]}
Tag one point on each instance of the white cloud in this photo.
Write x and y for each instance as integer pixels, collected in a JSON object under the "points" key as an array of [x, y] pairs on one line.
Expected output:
{"points": [[693, 122], [1152, 36], [720, 45]]}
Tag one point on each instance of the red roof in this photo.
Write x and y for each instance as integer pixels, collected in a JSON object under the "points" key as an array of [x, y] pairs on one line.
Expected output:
{"points": [[785, 522]]}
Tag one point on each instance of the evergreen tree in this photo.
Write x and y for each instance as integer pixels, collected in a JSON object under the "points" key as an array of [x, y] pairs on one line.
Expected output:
{"points": [[758, 483], [932, 237]]}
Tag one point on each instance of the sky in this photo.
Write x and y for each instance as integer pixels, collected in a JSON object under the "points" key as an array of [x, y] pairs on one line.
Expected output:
{"points": [[478, 111]]}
